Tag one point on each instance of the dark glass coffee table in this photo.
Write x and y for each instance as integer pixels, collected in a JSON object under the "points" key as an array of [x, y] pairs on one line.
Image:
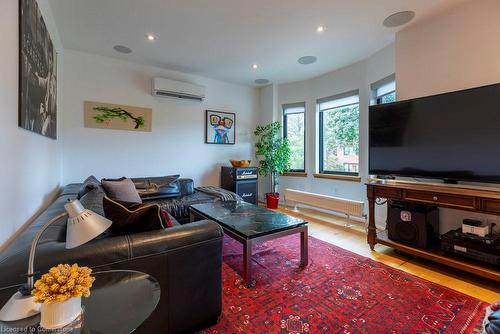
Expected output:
{"points": [[119, 302], [248, 224]]}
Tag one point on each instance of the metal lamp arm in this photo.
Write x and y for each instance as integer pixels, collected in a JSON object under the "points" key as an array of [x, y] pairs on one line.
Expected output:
{"points": [[83, 225], [34, 243]]}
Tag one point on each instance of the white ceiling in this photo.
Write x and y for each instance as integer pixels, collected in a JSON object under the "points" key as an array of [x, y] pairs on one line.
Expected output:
{"points": [[223, 38]]}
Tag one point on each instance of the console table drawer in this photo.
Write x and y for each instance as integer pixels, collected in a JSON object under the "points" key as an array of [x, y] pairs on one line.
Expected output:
{"points": [[490, 205], [390, 193], [463, 202]]}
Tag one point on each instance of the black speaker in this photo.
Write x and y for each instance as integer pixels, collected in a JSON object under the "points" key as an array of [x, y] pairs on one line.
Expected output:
{"points": [[241, 180], [247, 190], [413, 224]]}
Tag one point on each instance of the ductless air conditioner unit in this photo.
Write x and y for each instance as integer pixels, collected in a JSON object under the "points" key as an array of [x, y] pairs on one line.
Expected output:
{"points": [[178, 89]]}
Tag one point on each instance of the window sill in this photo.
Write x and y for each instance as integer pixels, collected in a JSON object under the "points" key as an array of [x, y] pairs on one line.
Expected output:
{"points": [[338, 177], [295, 174]]}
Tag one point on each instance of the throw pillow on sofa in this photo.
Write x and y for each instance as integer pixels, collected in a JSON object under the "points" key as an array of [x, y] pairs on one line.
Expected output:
{"points": [[129, 218], [89, 184], [186, 186], [167, 218], [92, 200], [122, 189]]}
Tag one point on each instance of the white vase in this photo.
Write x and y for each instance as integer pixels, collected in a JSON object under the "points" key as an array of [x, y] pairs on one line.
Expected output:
{"points": [[59, 314]]}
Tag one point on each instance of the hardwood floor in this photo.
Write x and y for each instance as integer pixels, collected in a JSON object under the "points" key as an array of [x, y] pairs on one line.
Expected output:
{"points": [[332, 229]]}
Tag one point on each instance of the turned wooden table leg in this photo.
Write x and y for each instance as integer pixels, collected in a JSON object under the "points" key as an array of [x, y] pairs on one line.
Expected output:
{"points": [[372, 230]]}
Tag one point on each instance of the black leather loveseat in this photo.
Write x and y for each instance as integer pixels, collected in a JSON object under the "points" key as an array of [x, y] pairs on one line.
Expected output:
{"points": [[186, 260]]}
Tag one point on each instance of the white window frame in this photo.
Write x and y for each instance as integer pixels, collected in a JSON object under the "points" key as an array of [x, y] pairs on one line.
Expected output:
{"points": [[382, 88], [293, 109], [327, 104]]}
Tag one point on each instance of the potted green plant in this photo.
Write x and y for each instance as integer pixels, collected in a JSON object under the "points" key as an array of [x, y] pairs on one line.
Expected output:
{"points": [[273, 152]]}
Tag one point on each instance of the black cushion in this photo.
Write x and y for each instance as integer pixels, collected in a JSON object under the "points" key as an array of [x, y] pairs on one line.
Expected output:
{"points": [[89, 184], [157, 187], [93, 200], [186, 186]]}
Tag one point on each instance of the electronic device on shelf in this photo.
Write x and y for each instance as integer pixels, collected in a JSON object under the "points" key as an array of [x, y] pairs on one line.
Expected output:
{"points": [[490, 239], [476, 227], [483, 249], [413, 224]]}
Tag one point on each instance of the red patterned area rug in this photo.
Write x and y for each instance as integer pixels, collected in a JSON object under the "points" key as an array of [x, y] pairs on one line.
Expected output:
{"points": [[338, 292]]}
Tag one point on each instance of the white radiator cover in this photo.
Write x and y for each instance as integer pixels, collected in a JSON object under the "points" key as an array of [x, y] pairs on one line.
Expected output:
{"points": [[337, 204]]}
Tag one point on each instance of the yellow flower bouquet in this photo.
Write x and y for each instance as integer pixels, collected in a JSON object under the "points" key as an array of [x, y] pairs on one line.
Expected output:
{"points": [[62, 283]]}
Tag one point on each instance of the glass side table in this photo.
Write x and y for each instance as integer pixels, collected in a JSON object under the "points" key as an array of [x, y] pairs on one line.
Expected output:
{"points": [[120, 301]]}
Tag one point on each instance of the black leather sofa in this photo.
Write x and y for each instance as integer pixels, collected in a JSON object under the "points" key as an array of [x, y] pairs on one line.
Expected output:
{"points": [[185, 259]]}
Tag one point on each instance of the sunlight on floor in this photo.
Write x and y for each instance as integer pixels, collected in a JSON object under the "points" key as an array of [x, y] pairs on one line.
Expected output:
{"points": [[332, 229]]}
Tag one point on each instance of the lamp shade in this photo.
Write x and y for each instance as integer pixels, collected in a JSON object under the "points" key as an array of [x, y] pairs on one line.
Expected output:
{"points": [[83, 224]]}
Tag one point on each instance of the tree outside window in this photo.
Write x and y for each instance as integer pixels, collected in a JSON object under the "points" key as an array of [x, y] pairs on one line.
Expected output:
{"points": [[294, 131], [339, 135], [384, 91], [388, 98]]}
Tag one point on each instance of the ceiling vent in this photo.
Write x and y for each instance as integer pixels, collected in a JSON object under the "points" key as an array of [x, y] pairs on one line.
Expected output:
{"points": [[177, 89]]}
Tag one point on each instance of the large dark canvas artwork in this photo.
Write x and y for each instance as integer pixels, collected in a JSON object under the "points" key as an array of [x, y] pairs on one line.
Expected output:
{"points": [[37, 72]]}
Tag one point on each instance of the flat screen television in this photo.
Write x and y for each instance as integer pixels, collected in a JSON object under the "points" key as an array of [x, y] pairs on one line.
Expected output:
{"points": [[453, 136]]}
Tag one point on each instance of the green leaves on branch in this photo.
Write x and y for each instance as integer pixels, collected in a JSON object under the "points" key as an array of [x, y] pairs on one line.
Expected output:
{"points": [[345, 125], [107, 114], [340, 132]]}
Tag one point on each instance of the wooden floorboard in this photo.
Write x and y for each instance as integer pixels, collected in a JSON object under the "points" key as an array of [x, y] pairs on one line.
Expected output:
{"points": [[331, 228]]}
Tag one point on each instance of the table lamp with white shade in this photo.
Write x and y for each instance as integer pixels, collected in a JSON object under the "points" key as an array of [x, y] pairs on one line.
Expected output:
{"points": [[83, 225]]}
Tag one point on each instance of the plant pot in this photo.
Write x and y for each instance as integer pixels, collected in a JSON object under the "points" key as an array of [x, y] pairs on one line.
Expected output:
{"points": [[272, 200], [59, 314]]}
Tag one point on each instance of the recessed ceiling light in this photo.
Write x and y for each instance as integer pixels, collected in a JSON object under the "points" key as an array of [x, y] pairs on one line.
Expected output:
{"points": [[306, 60], [150, 37], [320, 29], [255, 66], [261, 81], [398, 19], [122, 49]]}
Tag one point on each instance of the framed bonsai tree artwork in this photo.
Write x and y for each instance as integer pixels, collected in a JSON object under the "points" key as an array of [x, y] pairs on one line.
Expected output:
{"points": [[118, 117], [37, 73], [220, 128]]}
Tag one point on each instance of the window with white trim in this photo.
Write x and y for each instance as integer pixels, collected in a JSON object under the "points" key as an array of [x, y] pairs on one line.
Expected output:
{"points": [[384, 91], [339, 134], [294, 129]]}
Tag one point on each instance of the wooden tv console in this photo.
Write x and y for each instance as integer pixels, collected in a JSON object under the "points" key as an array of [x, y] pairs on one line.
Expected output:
{"points": [[448, 196]]}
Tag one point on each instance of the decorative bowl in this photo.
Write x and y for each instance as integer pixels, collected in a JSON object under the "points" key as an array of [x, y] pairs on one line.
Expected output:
{"points": [[240, 163]]}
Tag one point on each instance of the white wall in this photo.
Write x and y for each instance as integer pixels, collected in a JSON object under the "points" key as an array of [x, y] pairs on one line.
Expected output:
{"points": [[357, 76], [176, 143], [457, 49], [30, 163], [268, 114]]}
